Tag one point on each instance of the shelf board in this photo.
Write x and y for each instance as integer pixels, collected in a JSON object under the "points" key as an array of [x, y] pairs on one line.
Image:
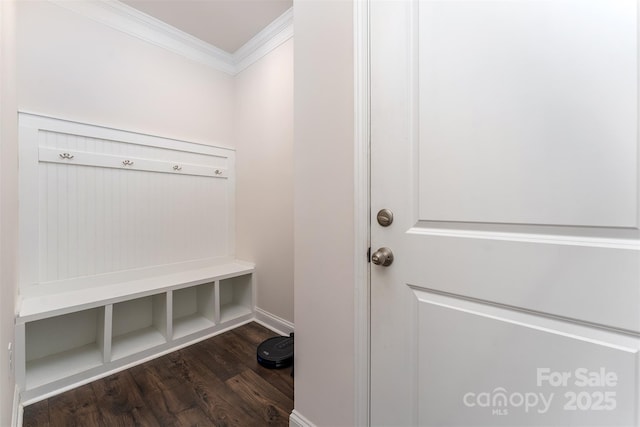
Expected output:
{"points": [[187, 325], [233, 311], [55, 298], [61, 365], [135, 342]]}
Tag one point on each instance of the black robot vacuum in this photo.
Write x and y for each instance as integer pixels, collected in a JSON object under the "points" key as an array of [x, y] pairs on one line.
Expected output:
{"points": [[276, 352]]}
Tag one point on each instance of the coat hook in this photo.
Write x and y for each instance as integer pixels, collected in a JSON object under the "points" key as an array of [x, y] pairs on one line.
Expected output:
{"points": [[66, 156], [127, 163]]}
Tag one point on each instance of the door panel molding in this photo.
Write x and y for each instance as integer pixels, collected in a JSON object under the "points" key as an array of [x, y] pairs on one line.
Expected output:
{"points": [[604, 233], [626, 343], [513, 347], [594, 242], [623, 340], [568, 280], [516, 123]]}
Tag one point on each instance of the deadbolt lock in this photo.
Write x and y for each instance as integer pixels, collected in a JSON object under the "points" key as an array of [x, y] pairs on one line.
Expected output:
{"points": [[385, 217], [383, 257]]}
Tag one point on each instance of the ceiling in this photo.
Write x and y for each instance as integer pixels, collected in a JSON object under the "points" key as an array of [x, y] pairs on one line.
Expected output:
{"points": [[226, 24]]}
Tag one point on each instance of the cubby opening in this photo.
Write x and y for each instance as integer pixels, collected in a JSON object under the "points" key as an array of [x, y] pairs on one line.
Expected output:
{"points": [[54, 350], [138, 325], [193, 309], [61, 346], [236, 297]]}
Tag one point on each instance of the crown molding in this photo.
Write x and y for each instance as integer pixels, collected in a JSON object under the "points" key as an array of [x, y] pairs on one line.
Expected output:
{"points": [[272, 36], [131, 21], [135, 23]]}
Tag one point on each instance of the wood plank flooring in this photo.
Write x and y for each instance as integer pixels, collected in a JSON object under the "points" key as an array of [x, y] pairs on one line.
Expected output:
{"points": [[216, 382]]}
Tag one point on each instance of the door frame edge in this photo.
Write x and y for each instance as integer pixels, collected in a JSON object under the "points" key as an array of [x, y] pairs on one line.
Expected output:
{"points": [[362, 208]]}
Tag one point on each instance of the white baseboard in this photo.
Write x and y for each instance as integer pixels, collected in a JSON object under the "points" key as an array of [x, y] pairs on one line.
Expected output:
{"points": [[298, 420], [17, 408], [273, 322]]}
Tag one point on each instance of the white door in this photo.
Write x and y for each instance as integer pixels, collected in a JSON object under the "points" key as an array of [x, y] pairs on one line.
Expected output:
{"points": [[505, 142]]}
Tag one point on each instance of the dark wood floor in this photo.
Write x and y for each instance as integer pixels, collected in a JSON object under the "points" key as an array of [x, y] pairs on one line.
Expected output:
{"points": [[216, 382]]}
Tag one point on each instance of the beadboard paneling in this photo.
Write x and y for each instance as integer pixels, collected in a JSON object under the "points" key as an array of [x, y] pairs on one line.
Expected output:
{"points": [[87, 214]]}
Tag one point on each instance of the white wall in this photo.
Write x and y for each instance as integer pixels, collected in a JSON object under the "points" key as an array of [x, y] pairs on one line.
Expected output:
{"points": [[72, 67], [324, 211], [8, 203], [264, 185]]}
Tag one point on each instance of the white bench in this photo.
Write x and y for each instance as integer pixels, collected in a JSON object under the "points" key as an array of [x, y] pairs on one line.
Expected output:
{"points": [[70, 333]]}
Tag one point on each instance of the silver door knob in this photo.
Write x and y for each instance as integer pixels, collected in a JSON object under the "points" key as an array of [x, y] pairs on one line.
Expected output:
{"points": [[383, 257], [385, 217]]}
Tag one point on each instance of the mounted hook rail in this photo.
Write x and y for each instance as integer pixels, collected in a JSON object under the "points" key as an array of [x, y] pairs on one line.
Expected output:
{"points": [[71, 158]]}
